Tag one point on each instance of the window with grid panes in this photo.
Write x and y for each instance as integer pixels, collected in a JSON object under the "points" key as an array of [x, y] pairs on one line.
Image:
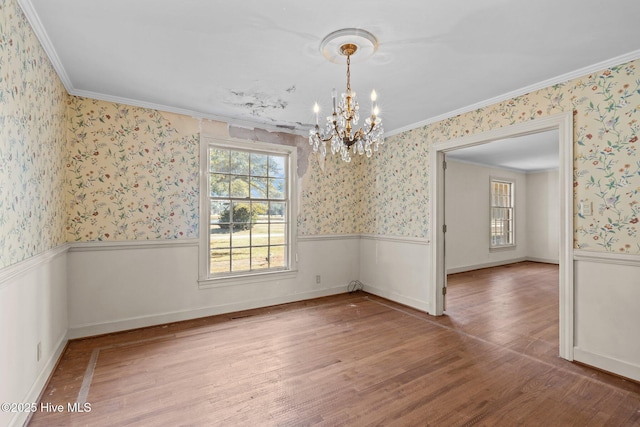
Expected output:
{"points": [[249, 205], [502, 213]]}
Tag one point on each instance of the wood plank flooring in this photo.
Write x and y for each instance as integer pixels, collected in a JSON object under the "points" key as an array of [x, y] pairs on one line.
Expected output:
{"points": [[352, 359]]}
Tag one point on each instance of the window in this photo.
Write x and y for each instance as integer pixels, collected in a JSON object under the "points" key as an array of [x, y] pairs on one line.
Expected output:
{"points": [[502, 215], [248, 217]]}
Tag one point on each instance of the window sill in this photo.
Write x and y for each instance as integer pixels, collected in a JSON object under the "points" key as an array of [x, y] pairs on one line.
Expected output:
{"points": [[502, 248], [245, 279]]}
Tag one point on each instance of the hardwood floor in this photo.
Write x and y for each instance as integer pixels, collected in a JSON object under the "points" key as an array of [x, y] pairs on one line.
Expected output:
{"points": [[352, 359]]}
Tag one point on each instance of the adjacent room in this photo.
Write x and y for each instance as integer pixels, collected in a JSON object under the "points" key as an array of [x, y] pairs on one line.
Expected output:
{"points": [[263, 213]]}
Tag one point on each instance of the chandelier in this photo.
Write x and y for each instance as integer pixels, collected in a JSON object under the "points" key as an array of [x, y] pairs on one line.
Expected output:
{"points": [[341, 126]]}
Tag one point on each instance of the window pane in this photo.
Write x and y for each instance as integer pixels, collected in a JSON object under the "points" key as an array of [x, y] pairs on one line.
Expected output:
{"points": [[276, 188], [276, 167], [260, 235], [239, 163], [259, 164], [277, 212], [240, 259], [260, 212], [220, 261], [219, 212], [240, 187], [278, 236], [258, 188], [259, 257], [219, 185], [219, 160], [241, 216], [220, 238], [277, 257]]}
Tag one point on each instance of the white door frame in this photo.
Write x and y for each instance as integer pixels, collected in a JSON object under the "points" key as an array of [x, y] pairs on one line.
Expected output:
{"points": [[564, 124]]}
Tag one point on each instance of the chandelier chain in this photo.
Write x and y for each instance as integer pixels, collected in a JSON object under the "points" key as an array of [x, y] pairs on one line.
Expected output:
{"points": [[348, 73]]}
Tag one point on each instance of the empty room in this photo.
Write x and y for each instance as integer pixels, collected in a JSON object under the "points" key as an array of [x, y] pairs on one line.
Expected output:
{"points": [[277, 213]]}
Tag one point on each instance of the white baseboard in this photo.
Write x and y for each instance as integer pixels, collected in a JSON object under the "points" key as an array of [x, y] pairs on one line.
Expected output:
{"points": [[408, 301], [178, 316], [544, 260], [618, 367], [484, 265], [38, 386]]}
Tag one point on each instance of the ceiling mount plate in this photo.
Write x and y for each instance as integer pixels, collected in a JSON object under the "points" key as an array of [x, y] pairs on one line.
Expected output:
{"points": [[365, 44]]}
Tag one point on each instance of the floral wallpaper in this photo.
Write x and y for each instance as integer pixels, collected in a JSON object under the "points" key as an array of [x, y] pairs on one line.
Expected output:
{"points": [[132, 173], [330, 202], [32, 142], [606, 108], [76, 169], [395, 185]]}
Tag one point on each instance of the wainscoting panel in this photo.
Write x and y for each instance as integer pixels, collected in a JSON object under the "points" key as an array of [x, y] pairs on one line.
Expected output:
{"points": [[130, 285], [607, 305], [396, 268], [33, 328]]}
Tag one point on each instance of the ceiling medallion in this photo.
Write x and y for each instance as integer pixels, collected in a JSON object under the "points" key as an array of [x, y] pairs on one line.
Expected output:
{"points": [[340, 127]]}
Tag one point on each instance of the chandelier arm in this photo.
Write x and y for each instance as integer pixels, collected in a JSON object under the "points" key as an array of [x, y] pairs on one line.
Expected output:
{"points": [[373, 124], [336, 130], [321, 138]]}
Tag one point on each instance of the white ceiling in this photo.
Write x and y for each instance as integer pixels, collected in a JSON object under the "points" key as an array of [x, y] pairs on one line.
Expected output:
{"points": [[258, 62], [529, 153]]}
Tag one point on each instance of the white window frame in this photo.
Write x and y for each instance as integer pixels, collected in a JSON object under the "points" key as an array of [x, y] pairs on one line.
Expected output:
{"points": [[205, 279], [512, 207]]}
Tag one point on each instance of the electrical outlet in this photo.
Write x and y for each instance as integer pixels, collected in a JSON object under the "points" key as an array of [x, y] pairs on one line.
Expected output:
{"points": [[38, 351], [318, 278]]}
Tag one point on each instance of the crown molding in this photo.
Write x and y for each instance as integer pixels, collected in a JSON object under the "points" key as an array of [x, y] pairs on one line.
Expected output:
{"points": [[563, 78], [190, 113], [36, 24]]}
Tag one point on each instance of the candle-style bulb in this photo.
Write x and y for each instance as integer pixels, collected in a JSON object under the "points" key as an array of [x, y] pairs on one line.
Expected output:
{"points": [[333, 97], [316, 109], [374, 96]]}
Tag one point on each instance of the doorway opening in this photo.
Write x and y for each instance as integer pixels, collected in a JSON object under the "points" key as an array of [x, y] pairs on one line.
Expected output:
{"points": [[563, 124]]}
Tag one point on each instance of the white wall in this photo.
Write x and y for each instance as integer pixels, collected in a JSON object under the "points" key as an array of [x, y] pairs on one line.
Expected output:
{"points": [[543, 216], [607, 319], [124, 286], [467, 216], [33, 309], [396, 268], [467, 198]]}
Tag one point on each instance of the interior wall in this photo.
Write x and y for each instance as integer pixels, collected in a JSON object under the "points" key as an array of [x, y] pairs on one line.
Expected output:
{"points": [[606, 312], [135, 262], [130, 285], [33, 285], [32, 143], [395, 268], [467, 215], [543, 216]]}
